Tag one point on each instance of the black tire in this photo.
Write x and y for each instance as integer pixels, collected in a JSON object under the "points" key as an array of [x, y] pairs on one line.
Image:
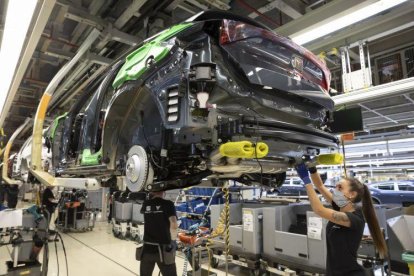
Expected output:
{"points": [[375, 201]]}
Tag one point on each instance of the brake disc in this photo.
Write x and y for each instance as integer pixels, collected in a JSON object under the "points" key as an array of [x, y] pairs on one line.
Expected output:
{"points": [[138, 169]]}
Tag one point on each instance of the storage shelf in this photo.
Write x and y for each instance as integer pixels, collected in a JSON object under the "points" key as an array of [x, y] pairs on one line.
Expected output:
{"points": [[205, 196], [191, 214]]}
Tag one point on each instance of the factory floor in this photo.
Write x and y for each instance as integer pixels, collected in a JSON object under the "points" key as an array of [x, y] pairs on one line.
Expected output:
{"points": [[99, 253]]}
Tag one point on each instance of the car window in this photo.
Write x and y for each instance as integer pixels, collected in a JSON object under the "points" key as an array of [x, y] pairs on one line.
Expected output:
{"points": [[405, 187], [387, 187]]}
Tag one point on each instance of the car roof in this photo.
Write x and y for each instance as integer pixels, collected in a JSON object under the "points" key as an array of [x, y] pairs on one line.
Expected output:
{"points": [[392, 182]]}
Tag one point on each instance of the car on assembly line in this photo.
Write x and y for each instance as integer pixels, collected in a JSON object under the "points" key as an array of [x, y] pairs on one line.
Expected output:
{"points": [[218, 96], [292, 186], [399, 193]]}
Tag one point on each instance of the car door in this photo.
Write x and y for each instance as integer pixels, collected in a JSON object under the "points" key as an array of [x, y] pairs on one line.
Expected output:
{"points": [[388, 193], [406, 191]]}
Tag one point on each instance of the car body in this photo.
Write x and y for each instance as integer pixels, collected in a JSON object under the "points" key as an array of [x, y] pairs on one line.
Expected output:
{"points": [[22, 160], [400, 193], [159, 115], [292, 186]]}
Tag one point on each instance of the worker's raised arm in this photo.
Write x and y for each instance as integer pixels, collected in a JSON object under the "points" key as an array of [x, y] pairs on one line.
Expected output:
{"points": [[317, 181]]}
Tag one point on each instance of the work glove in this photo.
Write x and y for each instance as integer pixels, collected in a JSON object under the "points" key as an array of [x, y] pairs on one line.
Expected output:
{"points": [[303, 173], [312, 168]]}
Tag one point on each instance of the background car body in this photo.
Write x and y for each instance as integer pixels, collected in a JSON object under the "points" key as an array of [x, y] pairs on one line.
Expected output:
{"points": [[393, 193], [292, 186]]}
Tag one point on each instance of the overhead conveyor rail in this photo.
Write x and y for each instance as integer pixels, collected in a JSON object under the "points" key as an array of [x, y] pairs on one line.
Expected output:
{"points": [[378, 92]]}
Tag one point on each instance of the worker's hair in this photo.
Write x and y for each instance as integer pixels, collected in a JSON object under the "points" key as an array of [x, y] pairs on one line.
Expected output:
{"points": [[364, 195]]}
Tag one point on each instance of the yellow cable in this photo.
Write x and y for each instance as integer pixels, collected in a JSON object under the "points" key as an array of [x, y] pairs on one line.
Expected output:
{"points": [[223, 223], [38, 197], [227, 208]]}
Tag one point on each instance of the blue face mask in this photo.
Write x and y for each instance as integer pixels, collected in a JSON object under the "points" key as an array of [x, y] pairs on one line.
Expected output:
{"points": [[339, 198]]}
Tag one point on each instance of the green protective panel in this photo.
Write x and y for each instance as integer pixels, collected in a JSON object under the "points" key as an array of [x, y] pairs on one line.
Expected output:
{"points": [[135, 63], [89, 159], [56, 123], [408, 257]]}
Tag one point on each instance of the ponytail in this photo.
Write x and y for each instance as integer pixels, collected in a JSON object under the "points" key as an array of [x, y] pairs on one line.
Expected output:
{"points": [[372, 221]]}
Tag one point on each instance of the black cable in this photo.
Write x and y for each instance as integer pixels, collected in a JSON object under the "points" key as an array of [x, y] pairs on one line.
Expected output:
{"points": [[64, 252], [257, 159], [57, 256], [148, 143]]}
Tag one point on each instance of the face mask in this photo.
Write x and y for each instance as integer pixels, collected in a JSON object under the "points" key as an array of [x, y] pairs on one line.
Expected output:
{"points": [[339, 198]]}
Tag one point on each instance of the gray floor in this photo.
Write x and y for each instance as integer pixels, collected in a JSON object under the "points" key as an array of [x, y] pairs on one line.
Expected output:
{"points": [[99, 253]]}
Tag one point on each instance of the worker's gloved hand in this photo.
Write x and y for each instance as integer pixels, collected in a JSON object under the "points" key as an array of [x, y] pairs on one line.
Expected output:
{"points": [[312, 168], [303, 173]]}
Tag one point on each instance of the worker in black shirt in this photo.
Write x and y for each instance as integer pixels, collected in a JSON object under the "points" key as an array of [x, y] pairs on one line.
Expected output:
{"points": [[346, 221], [49, 201], [160, 233]]}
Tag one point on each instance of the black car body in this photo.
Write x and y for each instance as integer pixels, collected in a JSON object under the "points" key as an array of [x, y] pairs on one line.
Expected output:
{"points": [[160, 114]]}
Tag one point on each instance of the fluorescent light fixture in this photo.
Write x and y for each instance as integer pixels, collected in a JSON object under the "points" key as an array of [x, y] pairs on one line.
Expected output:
{"points": [[403, 140], [18, 17], [365, 144], [345, 19]]}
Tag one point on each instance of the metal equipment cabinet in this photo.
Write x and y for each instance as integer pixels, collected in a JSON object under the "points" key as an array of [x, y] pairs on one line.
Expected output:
{"points": [[301, 251]]}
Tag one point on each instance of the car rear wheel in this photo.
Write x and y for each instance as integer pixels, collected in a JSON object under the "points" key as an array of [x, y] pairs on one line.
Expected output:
{"points": [[376, 201]]}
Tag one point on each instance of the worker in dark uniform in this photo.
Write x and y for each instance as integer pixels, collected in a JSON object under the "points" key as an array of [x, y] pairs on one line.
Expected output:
{"points": [[160, 232], [49, 201], [346, 220]]}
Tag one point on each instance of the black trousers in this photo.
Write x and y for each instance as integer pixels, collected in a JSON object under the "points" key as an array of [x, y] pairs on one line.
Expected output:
{"points": [[148, 262]]}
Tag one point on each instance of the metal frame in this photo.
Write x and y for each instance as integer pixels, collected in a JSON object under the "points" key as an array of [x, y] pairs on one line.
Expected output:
{"points": [[44, 177], [396, 88]]}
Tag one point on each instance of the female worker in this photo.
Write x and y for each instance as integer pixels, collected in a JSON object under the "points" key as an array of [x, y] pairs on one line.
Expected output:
{"points": [[346, 221]]}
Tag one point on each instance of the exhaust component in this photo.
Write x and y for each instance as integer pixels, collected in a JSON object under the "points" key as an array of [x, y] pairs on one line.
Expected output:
{"points": [[251, 166]]}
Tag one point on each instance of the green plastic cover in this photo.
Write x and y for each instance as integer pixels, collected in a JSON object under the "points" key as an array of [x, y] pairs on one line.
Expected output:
{"points": [[89, 159], [135, 64], [408, 257], [55, 124]]}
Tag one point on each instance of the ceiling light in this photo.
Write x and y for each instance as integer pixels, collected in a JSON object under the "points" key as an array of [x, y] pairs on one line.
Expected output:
{"points": [[365, 144], [18, 17], [345, 19]]}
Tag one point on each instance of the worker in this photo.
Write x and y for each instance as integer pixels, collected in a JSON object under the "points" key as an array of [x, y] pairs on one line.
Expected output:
{"points": [[49, 202], [346, 220], [160, 233]]}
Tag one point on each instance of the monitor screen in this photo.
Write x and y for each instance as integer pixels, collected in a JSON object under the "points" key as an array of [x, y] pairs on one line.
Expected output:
{"points": [[347, 120]]}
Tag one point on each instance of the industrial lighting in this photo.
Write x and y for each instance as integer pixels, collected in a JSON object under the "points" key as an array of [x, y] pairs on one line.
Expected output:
{"points": [[403, 140], [365, 144], [346, 19], [18, 17]]}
